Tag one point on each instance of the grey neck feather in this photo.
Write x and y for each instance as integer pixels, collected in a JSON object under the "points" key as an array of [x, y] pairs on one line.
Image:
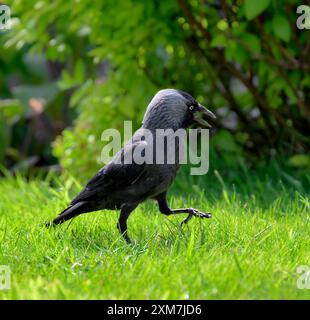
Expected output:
{"points": [[166, 110]]}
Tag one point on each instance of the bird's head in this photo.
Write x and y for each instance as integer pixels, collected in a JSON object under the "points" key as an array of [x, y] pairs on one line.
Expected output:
{"points": [[175, 109]]}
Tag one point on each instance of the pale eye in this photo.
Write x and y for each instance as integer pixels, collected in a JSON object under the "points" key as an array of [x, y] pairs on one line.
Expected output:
{"points": [[191, 108]]}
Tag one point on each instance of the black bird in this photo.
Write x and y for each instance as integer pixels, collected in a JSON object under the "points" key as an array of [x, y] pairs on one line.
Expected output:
{"points": [[122, 186]]}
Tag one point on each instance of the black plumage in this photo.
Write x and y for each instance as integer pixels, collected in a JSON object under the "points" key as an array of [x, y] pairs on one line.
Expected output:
{"points": [[121, 186]]}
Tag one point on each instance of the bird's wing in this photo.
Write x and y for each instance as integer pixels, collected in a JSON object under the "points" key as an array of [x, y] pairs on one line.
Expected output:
{"points": [[113, 176]]}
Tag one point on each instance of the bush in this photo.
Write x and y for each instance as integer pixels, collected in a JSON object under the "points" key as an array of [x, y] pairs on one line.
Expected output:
{"points": [[245, 59]]}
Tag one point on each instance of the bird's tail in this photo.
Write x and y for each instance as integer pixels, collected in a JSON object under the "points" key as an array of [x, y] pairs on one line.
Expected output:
{"points": [[69, 213]]}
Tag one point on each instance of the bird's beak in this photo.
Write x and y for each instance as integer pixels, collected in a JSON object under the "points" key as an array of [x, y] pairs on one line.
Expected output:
{"points": [[203, 113]]}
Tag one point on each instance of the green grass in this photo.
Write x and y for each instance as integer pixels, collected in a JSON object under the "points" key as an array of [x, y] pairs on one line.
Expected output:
{"points": [[250, 249]]}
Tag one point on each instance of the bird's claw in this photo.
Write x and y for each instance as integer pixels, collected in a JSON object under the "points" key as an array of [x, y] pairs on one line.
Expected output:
{"points": [[187, 219], [196, 213]]}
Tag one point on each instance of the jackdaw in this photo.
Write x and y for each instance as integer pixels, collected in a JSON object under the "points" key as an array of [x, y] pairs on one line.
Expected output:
{"points": [[122, 185]]}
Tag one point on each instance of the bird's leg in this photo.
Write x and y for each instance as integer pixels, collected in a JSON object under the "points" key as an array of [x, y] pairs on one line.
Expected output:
{"points": [[126, 210], [164, 208]]}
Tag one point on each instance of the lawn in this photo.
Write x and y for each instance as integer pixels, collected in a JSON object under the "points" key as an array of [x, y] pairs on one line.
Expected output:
{"points": [[250, 249]]}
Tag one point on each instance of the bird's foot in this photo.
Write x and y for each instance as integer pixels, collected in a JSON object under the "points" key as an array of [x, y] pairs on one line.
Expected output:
{"points": [[196, 213], [128, 240], [124, 233]]}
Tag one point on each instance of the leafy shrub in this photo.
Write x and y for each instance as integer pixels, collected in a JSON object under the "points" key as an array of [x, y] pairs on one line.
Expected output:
{"points": [[245, 59]]}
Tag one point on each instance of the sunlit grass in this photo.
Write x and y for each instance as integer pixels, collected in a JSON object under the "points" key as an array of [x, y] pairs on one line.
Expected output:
{"points": [[250, 249]]}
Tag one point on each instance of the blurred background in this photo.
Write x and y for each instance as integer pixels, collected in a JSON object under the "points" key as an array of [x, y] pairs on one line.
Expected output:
{"points": [[71, 69]]}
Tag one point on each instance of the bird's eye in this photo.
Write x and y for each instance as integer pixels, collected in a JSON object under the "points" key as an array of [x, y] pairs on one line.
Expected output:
{"points": [[191, 108]]}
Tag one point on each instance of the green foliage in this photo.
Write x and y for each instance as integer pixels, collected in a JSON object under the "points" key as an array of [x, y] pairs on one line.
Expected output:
{"points": [[28, 105], [281, 27], [253, 8], [300, 160], [246, 59]]}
